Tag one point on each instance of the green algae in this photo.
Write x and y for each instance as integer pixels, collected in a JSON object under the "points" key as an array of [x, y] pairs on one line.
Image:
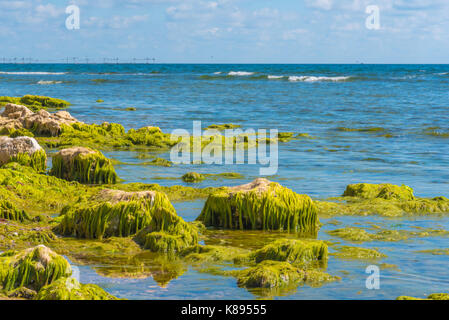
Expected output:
{"points": [[384, 200], [194, 177], [90, 167], [382, 191], [276, 208], [275, 274], [33, 267], [9, 211], [15, 236], [38, 193], [21, 132], [367, 129], [37, 160], [354, 234], [436, 132], [161, 162], [433, 296], [297, 252], [71, 289], [435, 252], [130, 109], [106, 219], [108, 136], [222, 127], [36, 103], [347, 252], [100, 101], [210, 253], [167, 233], [174, 193]]}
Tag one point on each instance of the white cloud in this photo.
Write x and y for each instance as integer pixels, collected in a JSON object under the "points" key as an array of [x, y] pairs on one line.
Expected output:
{"points": [[320, 4]]}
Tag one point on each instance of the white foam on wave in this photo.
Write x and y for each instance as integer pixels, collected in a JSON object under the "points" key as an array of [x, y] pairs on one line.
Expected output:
{"points": [[31, 73], [240, 73], [218, 72], [442, 74], [275, 77], [43, 82], [315, 79]]}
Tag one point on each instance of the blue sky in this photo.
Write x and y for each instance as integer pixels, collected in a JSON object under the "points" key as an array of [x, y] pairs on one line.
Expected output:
{"points": [[227, 31]]}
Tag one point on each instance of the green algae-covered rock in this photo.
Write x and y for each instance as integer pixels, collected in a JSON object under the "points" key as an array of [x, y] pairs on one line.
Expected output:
{"points": [[383, 191], [210, 253], [114, 213], [271, 274], [260, 205], [193, 177], [71, 289], [222, 127], [32, 268], [83, 165], [10, 212], [346, 252], [36, 103], [167, 233], [299, 252], [23, 150], [433, 296]]}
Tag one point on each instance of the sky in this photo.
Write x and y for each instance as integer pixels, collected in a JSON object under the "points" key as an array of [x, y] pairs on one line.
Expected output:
{"points": [[228, 31]]}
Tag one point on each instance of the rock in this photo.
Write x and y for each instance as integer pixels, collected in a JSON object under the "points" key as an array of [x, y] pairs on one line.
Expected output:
{"points": [[299, 252], [193, 177], [42, 122], [260, 205], [381, 191], [32, 268], [115, 196], [274, 274], [114, 213], [24, 150], [71, 289], [84, 165]]}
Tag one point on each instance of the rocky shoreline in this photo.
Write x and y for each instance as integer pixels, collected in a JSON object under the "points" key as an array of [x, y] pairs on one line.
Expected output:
{"points": [[79, 208]]}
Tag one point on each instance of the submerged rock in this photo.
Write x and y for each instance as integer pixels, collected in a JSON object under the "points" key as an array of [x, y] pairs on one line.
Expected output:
{"points": [[383, 191], [209, 253], [261, 205], [15, 117], [24, 150], [113, 213], [298, 252], [32, 268], [193, 177], [147, 214], [71, 289], [271, 274], [433, 296], [83, 165]]}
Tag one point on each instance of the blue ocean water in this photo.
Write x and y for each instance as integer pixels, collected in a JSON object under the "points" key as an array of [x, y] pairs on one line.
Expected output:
{"points": [[403, 100]]}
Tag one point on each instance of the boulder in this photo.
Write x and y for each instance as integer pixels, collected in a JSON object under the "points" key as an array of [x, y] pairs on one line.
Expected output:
{"points": [[260, 205], [84, 165], [42, 122], [24, 150], [71, 289], [32, 268]]}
